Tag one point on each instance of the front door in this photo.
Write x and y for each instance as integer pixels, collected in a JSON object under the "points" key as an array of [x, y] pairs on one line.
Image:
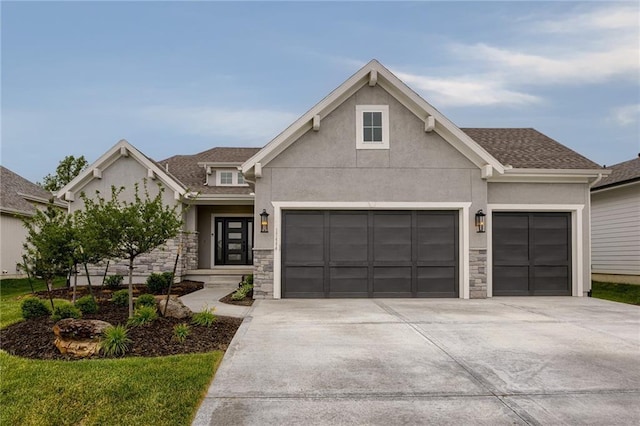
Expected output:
{"points": [[234, 241]]}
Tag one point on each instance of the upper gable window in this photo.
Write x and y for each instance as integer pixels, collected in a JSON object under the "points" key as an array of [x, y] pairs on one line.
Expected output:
{"points": [[372, 126], [229, 178]]}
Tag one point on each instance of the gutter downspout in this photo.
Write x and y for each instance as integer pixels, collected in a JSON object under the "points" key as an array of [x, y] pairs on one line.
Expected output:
{"points": [[591, 185], [595, 182]]}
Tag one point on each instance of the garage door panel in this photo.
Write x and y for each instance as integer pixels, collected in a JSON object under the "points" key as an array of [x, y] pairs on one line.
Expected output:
{"points": [[510, 280], [348, 237], [551, 280], [304, 238], [392, 282], [391, 237], [304, 281], [348, 282], [437, 282]]}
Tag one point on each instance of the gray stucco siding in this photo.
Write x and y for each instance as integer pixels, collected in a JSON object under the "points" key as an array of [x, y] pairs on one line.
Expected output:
{"points": [[537, 193]]}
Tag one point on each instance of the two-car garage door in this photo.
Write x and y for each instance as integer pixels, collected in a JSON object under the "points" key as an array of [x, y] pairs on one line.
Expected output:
{"points": [[370, 254]]}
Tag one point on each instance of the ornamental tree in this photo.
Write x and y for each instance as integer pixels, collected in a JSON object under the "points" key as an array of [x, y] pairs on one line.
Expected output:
{"points": [[67, 169]]}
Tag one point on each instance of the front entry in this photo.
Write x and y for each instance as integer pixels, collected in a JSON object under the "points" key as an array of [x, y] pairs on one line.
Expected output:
{"points": [[234, 241]]}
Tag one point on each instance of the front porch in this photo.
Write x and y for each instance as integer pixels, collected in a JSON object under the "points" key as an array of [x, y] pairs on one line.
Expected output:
{"points": [[220, 276]]}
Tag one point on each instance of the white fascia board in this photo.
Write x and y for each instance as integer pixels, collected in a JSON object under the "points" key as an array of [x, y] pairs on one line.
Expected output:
{"points": [[547, 175], [592, 173], [216, 164], [612, 187], [42, 200]]}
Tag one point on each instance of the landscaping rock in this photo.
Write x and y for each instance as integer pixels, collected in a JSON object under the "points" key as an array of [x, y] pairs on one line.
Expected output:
{"points": [[175, 309], [80, 338]]}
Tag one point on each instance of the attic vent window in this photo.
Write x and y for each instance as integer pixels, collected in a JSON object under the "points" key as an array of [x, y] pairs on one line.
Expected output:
{"points": [[372, 126], [229, 177]]}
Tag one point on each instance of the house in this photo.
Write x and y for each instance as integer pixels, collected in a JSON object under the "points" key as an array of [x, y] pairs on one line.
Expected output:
{"points": [[615, 225], [374, 193], [19, 199]]}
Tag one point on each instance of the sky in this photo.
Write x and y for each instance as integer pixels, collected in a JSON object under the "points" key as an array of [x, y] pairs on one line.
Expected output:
{"points": [[182, 77]]}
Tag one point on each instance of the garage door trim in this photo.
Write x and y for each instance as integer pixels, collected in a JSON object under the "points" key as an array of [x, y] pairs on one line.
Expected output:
{"points": [[463, 235], [576, 210]]}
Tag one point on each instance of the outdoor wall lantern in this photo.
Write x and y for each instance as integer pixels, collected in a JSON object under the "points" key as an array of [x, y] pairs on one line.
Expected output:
{"points": [[480, 221], [264, 221]]}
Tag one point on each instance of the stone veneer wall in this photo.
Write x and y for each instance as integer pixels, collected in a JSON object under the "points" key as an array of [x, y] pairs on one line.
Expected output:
{"points": [[262, 273], [477, 273], [159, 260]]}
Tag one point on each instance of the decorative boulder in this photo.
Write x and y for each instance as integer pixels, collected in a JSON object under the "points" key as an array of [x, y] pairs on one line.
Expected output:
{"points": [[175, 309], [80, 338]]}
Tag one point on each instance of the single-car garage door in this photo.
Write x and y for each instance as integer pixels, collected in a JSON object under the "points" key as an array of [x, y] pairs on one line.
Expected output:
{"points": [[531, 254], [369, 254]]}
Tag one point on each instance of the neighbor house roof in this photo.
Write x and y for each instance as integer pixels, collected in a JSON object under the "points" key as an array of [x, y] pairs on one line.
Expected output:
{"points": [[190, 170], [15, 191], [622, 173], [528, 149]]}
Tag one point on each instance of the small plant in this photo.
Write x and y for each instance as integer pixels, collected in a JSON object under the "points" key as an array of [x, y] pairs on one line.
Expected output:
{"points": [[115, 341], [120, 297], [113, 281], [248, 280], [146, 300], [143, 315], [87, 305], [65, 310], [180, 332], [242, 292], [157, 283], [32, 307], [204, 318]]}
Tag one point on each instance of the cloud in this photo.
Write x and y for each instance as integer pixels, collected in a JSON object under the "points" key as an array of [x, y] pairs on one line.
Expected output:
{"points": [[245, 125], [626, 115], [620, 16], [466, 91]]}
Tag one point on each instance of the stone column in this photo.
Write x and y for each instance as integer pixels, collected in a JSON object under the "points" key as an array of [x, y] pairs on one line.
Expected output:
{"points": [[262, 273], [477, 273]]}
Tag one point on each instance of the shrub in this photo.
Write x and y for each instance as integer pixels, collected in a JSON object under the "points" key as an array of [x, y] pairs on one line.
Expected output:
{"points": [[180, 332], [32, 307], [120, 297], [146, 300], [204, 318], [66, 310], [242, 292], [113, 281], [248, 280], [157, 283], [87, 305], [115, 341], [143, 315]]}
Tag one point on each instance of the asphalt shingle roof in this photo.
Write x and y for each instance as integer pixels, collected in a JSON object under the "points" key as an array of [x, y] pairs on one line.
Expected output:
{"points": [[526, 148], [11, 184], [621, 173]]}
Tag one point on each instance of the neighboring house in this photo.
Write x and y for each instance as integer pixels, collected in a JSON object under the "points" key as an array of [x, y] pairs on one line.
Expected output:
{"points": [[374, 193], [615, 225], [19, 199]]}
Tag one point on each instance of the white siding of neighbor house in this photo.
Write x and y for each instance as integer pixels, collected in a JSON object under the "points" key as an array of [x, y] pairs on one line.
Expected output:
{"points": [[615, 234], [12, 237]]}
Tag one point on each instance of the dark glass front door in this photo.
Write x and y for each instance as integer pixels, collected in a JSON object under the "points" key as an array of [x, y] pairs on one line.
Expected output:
{"points": [[234, 241]]}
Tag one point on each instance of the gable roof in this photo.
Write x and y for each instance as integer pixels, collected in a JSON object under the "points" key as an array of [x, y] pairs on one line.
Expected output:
{"points": [[112, 155], [190, 169], [375, 73], [15, 191], [621, 174], [528, 149]]}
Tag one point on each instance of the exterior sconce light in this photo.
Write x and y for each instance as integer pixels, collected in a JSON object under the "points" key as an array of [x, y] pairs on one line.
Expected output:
{"points": [[264, 221], [480, 221]]}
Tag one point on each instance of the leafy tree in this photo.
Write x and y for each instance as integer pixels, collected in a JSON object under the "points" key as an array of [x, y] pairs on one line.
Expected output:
{"points": [[67, 169], [49, 244], [128, 229]]}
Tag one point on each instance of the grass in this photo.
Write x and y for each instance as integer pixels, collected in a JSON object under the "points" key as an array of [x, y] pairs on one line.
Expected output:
{"points": [[158, 391], [624, 293]]}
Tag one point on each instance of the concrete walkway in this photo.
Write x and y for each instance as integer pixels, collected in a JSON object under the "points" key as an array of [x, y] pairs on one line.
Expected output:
{"points": [[209, 297], [536, 361]]}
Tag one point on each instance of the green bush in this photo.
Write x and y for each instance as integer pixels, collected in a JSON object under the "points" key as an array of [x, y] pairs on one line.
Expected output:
{"points": [[158, 283], [113, 281], [146, 300], [248, 280], [242, 292], [87, 305], [65, 310], [143, 315], [180, 332], [120, 297], [115, 341], [204, 318], [32, 307]]}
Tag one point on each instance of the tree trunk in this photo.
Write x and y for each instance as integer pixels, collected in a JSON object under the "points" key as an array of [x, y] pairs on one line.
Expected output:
{"points": [[26, 269], [49, 281], [104, 277], [131, 288], [75, 282], [86, 270]]}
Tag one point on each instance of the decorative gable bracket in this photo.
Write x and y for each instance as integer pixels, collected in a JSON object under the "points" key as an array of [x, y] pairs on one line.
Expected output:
{"points": [[429, 124]]}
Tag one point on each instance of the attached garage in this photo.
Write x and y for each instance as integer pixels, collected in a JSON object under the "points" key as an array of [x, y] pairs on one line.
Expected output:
{"points": [[333, 254], [531, 253]]}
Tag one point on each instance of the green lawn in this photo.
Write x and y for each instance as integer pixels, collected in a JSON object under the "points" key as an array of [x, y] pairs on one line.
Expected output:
{"points": [[158, 391], [625, 293]]}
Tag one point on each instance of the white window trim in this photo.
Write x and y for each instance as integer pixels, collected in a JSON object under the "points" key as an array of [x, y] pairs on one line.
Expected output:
{"points": [[463, 225], [577, 250], [360, 143], [234, 178]]}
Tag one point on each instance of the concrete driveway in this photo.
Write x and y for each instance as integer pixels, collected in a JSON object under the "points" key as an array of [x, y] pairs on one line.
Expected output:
{"points": [[550, 361]]}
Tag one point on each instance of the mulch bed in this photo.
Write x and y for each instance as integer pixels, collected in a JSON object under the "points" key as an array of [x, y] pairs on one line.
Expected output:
{"points": [[100, 292], [247, 301], [34, 338]]}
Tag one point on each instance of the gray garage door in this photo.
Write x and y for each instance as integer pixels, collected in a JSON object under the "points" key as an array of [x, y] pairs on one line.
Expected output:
{"points": [[531, 254], [369, 254]]}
